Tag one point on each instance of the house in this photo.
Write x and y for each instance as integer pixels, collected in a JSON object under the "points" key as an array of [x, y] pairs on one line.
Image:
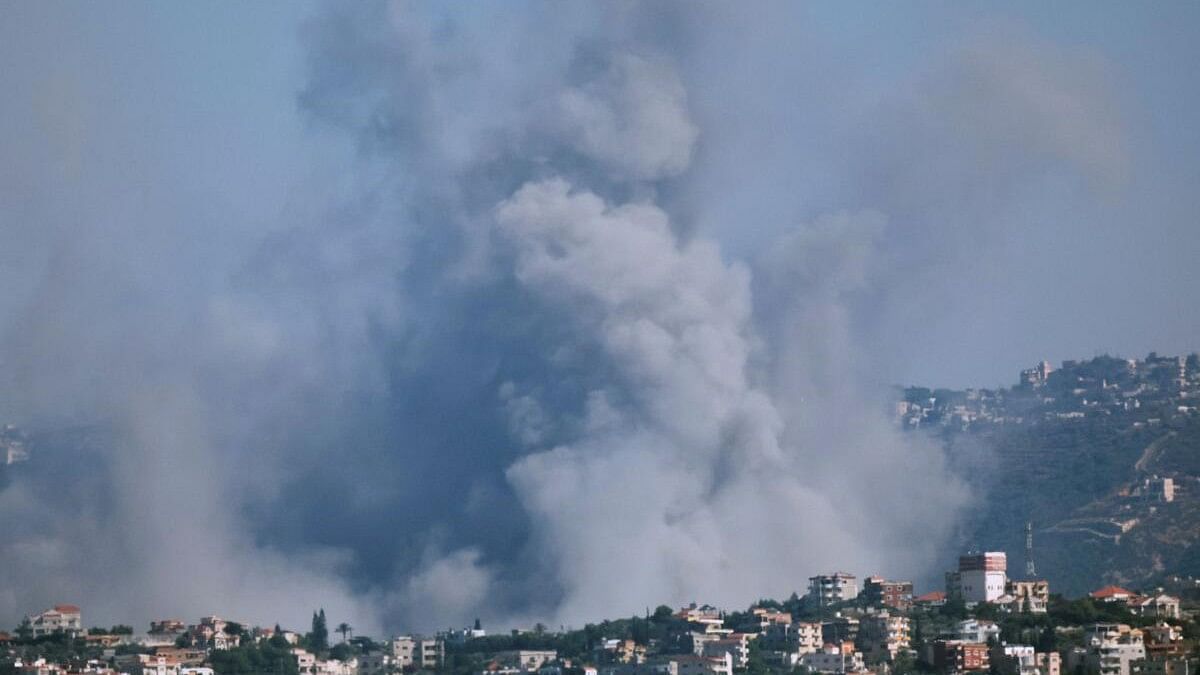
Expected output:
{"points": [[58, 619], [736, 645], [688, 664], [1112, 594], [931, 599], [1160, 605]]}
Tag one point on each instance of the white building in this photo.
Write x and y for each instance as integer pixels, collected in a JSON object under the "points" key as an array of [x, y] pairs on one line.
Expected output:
{"points": [[1111, 649], [980, 631], [59, 619], [833, 659], [828, 589], [418, 652], [981, 577]]}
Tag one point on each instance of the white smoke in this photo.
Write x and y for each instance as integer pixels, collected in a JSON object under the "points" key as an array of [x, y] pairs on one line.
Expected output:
{"points": [[510, 368]]}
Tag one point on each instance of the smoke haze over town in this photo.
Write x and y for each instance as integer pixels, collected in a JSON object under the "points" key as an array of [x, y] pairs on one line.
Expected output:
{"points": [[551, 312]]}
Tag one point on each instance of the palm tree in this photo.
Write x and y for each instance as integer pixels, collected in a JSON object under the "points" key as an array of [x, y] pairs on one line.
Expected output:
{"points": [[344, 628]]}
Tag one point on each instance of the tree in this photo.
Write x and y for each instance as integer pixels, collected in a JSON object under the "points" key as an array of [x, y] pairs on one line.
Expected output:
{"points": [[343, 628], [662, 613], [318, 637], [25, 630], [233, 629]]}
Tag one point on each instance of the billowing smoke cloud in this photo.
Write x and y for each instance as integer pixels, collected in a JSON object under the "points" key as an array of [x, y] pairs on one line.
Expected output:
{"points": [[506, 366]]}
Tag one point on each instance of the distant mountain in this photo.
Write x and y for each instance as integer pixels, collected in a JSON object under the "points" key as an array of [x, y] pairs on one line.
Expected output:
{"points": [[1102, 456]]}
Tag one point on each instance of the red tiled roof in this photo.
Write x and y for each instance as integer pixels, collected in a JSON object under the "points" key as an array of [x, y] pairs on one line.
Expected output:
{"points": [[66, 609], [1110, 591], [933, 596]]}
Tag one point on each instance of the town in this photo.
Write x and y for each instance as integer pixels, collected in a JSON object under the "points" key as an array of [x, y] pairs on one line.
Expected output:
{"points": [[983, 621], [1151, 392]]}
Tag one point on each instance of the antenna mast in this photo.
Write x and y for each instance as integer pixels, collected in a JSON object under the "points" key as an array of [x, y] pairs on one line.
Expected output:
{"points": [[1030, 570]]}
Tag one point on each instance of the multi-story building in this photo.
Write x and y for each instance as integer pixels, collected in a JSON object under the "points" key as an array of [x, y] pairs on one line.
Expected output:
{"points": [[1048, 663], [306, 662], [829, 589], [1111, 649], [982, 631], [981, 577], [418, 652], [834, 659], [1032, 596], [690, 664], [736, 645], [956, 656], [1014, 659], [58, 619], [840, 629], [1159, 605], [881, 637], [881, 592], [375, 663], [801, 637]]}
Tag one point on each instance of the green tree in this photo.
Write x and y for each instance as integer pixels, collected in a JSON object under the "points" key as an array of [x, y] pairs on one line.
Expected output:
{"points": [[318, 637], [343, 628]]}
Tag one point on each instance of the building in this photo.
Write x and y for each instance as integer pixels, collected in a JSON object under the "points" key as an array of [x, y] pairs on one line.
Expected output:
{"points": [[1014, 660], [830, 589], [840, 629], [801, 637], [621, 651], [58, 619], [1163, 640], [957, 656], [527, 660], [1160, 605], [981, 631], [1110, 649], [1112, 594], [737, 646], [375, 663], [1048, 663], [689, 664], [931, 599], [1171, 666], [881, 637], [418, 652], [1032, 596], [306, 662], [981, 577], [770, 617], [834, 659], [894, 594]]}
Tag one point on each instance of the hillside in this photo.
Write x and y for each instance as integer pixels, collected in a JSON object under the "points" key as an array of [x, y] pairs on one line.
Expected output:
{"points": [[1102, 456]]}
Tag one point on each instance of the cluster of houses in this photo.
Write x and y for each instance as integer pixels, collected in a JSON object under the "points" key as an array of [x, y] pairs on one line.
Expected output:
{"points": [[843, 627], [1150, 391]]}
